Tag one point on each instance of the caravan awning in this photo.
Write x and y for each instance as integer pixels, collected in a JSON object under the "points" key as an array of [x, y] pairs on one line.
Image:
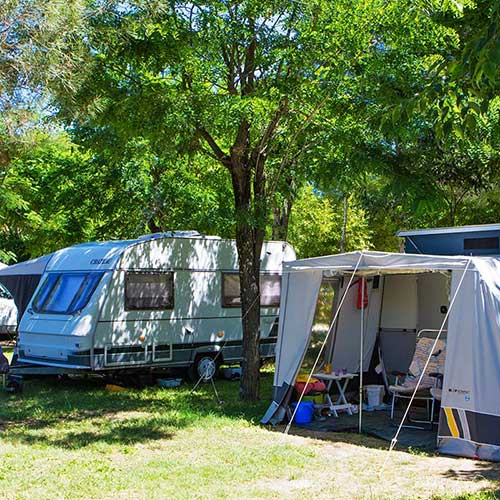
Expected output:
{"points": [[471, 390], [22, 279], [377, 262]]}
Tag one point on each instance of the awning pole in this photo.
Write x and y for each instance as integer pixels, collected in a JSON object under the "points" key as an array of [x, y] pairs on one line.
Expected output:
{"points": [[360, 409]]}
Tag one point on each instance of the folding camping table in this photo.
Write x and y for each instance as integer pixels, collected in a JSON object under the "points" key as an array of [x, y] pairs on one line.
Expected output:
{"points": [[341, 403]]}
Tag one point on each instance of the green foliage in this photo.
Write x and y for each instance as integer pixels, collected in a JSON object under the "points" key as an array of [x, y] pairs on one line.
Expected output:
{"points": [[316, 225], [459, 79], [240, 83], [36, 38], [57, 194], [48, 201], [173, 193], [394, 104]]}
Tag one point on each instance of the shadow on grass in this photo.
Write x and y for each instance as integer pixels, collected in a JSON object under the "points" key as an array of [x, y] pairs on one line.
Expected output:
{"points": [[486, 470], [129, 432], [77, 413], [336, 437], [486, 494], [477, 471]]}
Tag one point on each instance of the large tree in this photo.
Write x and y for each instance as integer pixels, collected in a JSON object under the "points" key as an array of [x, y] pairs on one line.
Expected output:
{"points": [[36, 50], [464, 85], [224, 79]]}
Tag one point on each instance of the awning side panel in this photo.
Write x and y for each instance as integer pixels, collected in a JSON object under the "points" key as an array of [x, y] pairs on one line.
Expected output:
{"points": [[21, 288], [298, 305], [471, 389], [22, 279]]}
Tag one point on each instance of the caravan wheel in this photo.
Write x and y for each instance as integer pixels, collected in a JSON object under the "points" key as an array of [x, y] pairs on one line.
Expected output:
{"points": [[204, 367]]}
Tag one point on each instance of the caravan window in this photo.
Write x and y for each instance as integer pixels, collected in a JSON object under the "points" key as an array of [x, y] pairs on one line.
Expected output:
{"points": [[65, 293], [148, 290], [231, 290], [270, 290]]}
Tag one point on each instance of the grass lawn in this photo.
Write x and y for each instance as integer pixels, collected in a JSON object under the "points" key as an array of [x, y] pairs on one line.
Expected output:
{"points": [[74, 439]]}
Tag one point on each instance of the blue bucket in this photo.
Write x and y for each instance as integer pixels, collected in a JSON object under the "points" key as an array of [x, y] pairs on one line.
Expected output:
{"points": [[304, 413]]}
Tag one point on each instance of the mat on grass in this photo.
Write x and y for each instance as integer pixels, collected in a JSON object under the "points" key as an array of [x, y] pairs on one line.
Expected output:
{"points": [[379, 424]]}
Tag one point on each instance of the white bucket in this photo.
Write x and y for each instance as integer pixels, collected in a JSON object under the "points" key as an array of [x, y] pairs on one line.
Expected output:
{"points": [[374, 393]]}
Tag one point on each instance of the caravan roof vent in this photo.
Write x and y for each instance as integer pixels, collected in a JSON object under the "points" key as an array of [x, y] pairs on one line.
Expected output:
{"points": [[171, 234]]}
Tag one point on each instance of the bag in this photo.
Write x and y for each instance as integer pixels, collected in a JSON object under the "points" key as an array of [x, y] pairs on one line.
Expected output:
{"points": [[316, 386]]}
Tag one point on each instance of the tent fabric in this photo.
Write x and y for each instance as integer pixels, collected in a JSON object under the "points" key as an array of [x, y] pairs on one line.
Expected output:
{"points": [[290, 350], [470, 415], [22, 280], [347, 332], [396, 349], [301, 283], [22, 289], [33, 266], [471, 388], [299, 308]]}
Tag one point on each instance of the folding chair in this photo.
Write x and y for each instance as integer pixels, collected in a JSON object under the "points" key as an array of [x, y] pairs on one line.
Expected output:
{"points": [[405, 383]]}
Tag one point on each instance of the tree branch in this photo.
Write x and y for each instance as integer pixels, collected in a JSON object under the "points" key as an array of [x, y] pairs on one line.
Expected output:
{"points": [[304, 124], [247, 84], [218, 153], [260, 149]]}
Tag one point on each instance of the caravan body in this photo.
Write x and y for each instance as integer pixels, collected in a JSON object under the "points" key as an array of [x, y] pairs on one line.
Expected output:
{"points": [[8, 311], [159, 301]]}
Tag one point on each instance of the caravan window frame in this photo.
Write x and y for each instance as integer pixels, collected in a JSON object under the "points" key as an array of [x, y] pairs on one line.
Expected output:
{"points": [[232, 305], [76, 304], [5, 294], [481, 243], [171, 303]]}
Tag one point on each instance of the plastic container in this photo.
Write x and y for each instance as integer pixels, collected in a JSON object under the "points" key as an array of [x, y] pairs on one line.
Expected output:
{"points": [[232, 373], [304, 413], [315, 398], [169, 382], [374, 394], [115, 388]]}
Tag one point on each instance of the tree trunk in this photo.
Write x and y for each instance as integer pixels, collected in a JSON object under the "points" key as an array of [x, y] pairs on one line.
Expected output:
{"points": [[249, 261], [246, 166], [281, 218], [248, 179], [249, 240], [343, 234], [153, 227]]}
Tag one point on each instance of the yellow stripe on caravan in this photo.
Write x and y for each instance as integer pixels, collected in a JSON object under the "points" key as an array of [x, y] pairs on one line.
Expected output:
{"points": [[451, 422]]}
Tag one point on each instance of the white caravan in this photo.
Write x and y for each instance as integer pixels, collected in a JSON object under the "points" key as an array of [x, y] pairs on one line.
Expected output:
{"points": [[8, 312], [164, 300]]}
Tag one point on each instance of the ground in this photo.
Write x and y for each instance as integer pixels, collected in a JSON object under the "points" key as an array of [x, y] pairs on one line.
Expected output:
{"points": [[74, 439]]}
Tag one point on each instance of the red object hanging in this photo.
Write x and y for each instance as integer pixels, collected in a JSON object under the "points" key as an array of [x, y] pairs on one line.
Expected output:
{"points": [[360, 294]]}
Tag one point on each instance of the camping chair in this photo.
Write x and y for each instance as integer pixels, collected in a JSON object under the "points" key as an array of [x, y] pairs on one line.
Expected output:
{"points": [[436, 393], [405, 383]]}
